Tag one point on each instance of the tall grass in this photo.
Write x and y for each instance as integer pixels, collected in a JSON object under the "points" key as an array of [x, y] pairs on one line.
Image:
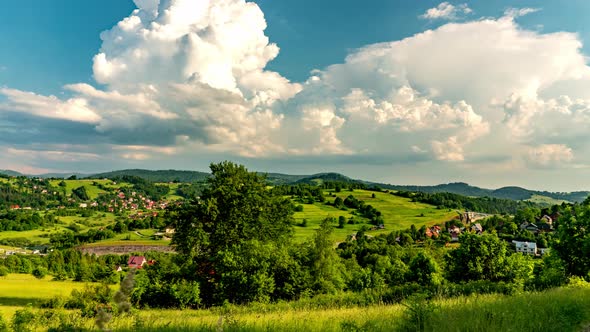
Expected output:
{"points": [[563, 309]]}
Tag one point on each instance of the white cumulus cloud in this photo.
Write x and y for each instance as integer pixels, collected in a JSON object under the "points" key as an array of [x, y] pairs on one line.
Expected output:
{"points": [[447, 11]]}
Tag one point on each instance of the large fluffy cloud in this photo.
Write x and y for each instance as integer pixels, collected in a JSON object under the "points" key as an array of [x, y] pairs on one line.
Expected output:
{"points": [[190, 77]]}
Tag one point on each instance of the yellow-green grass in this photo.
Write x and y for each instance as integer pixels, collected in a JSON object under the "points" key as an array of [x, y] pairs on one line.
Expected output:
{"points": [[18, 290], [399, 212], [40, 235], [97, 219], [171, 195], [314, 214], [562, 309], [92, 190], [545, 200]]}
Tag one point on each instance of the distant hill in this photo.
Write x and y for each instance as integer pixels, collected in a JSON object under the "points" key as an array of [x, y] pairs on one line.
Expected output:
{"points": [[155, 176], [460, 188], [514, 193], [326, 177], [10, 173], [188, 176]]}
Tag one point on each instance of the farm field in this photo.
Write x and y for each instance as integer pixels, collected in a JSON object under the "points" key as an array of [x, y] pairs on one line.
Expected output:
{"points": [[398, 213], [20, 290]]}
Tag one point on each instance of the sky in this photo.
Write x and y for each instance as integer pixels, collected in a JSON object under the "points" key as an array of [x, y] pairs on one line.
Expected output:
{"points": [[492, 93]]}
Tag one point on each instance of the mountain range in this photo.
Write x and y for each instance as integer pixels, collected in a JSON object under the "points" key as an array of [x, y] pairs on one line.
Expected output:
{"points": [[511, 192]]}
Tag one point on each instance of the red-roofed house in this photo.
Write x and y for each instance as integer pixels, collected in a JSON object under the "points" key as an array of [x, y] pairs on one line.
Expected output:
{"points": [[136, 262]]}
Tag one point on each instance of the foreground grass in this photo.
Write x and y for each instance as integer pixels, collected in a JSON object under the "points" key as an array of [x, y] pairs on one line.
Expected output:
{"points": [[562, 309]]}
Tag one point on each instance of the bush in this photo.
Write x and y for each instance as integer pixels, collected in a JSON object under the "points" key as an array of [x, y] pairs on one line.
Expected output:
{"points": [[3, 325], [23, 320], [39, 272], [3, 271], [57, 302]]}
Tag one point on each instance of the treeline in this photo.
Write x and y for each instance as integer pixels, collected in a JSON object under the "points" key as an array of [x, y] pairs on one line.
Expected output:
{"points": [[69, 264], [15, 194], [363, 209], [459, 202], [25, 221]]}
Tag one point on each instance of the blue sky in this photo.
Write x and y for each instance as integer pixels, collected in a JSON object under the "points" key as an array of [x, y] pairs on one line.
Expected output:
{"points": [[488, 92]]}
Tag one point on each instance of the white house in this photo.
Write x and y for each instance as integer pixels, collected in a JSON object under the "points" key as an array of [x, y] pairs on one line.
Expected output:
{"points": [[529, 248]]}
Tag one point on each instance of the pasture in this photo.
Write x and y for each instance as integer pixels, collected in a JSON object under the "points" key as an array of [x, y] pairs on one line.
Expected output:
{"points": [[21, 290], [398, 213]]}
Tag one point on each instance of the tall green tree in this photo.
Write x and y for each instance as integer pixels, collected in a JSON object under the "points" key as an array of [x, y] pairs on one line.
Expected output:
{"points": [[234, 208], [572, 242], [479, 257]]}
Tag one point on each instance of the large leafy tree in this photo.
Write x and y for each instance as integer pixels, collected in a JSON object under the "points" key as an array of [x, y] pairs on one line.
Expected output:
{"points": [[479, 257], [234, 208], [573, 240], [213, 234]]}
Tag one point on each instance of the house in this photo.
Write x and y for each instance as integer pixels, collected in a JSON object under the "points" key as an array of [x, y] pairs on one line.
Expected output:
{"points": [[529, 227], [118, 268], [477, 228], [455, 232], [547, 219], [529, 248], [169, 230], [83, 205], [433, 231], [136, 262]]}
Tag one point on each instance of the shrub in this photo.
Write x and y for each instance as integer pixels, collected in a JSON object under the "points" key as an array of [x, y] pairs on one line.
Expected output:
{"points": [[3, 271], [3, 325], [23, 320], [39, 272], [57, 302]]}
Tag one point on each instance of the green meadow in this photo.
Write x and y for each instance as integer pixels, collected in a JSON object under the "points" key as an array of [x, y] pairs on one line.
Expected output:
{"points": [[398, 213], [544, 200], [21, 290], [42, 234], [92, 190]]}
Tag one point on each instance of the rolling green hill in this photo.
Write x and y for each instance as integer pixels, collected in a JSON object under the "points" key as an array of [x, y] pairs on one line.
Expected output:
{"points": [[398, 213]]}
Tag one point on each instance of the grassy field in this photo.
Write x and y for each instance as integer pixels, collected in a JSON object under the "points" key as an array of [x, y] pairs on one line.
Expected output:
{"points": [[42, 234], [544, 200], [562, 309], [398, 213], [92, 190], [20, 290]]}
